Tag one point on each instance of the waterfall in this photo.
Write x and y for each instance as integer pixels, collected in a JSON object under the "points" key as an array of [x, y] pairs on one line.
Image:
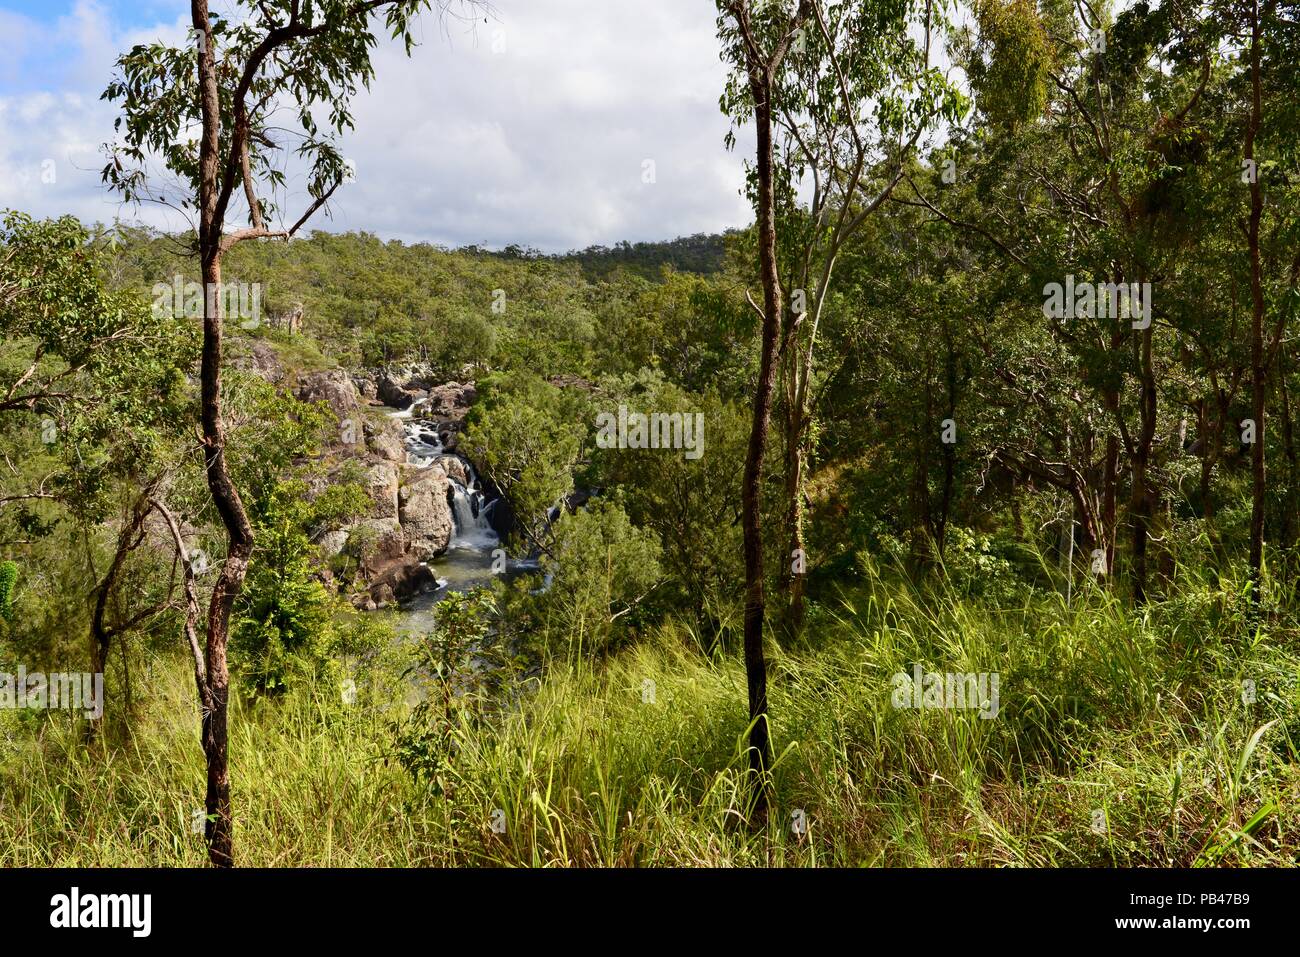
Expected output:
{"points": [[470, 512], [469, 506]]}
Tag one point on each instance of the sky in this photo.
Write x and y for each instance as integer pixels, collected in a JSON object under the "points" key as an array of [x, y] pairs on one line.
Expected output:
{"points": [[535, 128]]}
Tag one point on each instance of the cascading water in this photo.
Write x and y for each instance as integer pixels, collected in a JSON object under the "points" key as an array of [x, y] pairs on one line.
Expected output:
{"points": [[468, 560], [423, 444], [472, 531], [469, 510]]}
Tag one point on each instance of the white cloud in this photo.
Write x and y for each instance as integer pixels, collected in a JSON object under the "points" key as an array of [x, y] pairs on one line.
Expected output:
{"points": [[52, 122], [529, 129]]}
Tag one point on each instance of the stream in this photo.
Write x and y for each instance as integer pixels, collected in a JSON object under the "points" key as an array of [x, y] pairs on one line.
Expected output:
{"points": [[467, 563]]}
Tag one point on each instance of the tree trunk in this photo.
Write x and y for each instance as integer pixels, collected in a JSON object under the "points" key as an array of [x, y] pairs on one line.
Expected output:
{"points": [[1287, 532], [794, 481], [1140, 499], [1110, 480], [760, 748], [1257, 360], [950, 448], [101, 632], [1205, 426], [239, 532]]}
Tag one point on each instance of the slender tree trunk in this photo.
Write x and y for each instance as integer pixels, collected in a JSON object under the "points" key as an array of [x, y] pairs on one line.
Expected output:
{"points": [[239, 532], [792, 613], [1287, 533], [1259, 373], [950, 448], [794, 482], [1140, 500], [1204, 427], [229, 582], [760, 748], [1110, 481], [101, 633]]}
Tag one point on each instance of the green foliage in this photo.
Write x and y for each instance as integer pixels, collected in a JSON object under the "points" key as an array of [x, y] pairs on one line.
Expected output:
{"points": [[691, 505], [93, 382], [591, 770], [526, 447], [337, 504], [601, 567], [8, 579], [1010, 67], [618, 746], [368, 302], [268, 431], [459, 669], [283, 629], [313, 73]]}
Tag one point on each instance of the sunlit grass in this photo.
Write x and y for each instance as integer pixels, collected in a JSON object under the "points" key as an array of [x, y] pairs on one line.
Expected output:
{"points": [[1121, 739]]}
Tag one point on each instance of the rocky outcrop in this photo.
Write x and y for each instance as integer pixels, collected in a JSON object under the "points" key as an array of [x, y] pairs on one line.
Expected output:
{"points": [[450, 401], [385, 438], [446, 406], [365, 386], [395, 391], [390, 567], [381, 484], [260, 359], [399, 386], [414, 375], [409, 523], [410, 519], [455, 468], [424, 510], [398, 580], [334, 387], [384, 542]]}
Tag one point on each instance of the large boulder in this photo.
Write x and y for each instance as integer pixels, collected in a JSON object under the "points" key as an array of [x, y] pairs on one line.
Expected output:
{"points": [[379, 543], [332, 543], [381, 484], [424, 511], [393, 390], [455, 468], [386, 438], [390, 570], [260, 358], [450, 401], [265, 362], [334, 387], [400, 579], [365, 386]]}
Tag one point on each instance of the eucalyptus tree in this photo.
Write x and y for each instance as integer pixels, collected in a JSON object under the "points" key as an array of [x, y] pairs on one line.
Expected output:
{"points": [[909, 287], [756, 37], [1084, 182], [231, 81], [856, 94], [1262, 35], [846, 89], [92, 388], [1279, 139]]}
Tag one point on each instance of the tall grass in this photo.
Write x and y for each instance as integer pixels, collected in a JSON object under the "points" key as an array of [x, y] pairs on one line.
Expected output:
{"points": [[1121, 739]]}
